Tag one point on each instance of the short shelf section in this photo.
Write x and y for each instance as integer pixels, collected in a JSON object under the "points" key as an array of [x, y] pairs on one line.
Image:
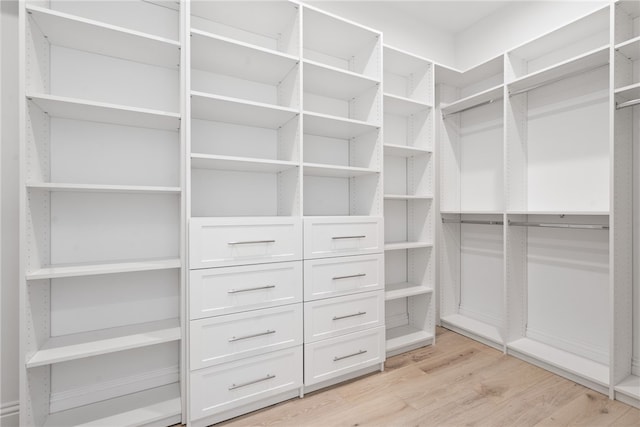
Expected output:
{"points": [[242, 164], [98, 188], [406, 197], [94, 343], [630, 48], [334, 82], [404, 290], [460, 323], [401, 106], [404, 150], [160, 405], [627, 93], [335, 127], [315, 169], [485, 97], [78, 270], [405, 336], [406, 245]]}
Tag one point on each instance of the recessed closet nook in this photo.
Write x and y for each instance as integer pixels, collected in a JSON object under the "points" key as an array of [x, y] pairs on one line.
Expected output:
{"points": [[228, 204]]}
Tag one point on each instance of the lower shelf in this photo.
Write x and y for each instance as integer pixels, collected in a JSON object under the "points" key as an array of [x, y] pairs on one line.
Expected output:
{"points": [[404, 336], [458, 322], [630, 387], [404, 290], [161, 404]]}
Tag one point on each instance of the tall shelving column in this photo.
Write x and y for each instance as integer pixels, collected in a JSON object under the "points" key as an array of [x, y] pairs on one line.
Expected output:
{"points": [[100, 205], [409, 180]]}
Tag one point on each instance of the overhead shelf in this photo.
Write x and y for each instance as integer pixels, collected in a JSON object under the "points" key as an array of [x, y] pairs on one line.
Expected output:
{"points": [[404, 336], [402, 106], [475, 327], [316, 169], [63, 29], [630, 48], [225, 109], [403, 63], [335, 127], [210, 52], [558, 213], [77, 270], [406, 197], [334, 82], [404, 150], [488, 96], [98, 188], [243, 164], [78, 109], [95, 343], [404, 290], [406, 245]]}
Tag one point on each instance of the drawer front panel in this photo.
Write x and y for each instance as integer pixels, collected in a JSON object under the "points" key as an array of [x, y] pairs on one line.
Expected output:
{"points": [[327, 359], [226, 338], [332, 277], [328, 237], [217, 291], [338, 316], [224, 387], [223, 242]]}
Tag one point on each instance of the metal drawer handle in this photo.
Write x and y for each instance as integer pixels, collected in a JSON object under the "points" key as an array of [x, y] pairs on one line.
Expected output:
{"points": [[244, 337], [336, 358], [235, 386], [348, 277], [348, 237], [251, 242], [236, 291], [360, 313]]}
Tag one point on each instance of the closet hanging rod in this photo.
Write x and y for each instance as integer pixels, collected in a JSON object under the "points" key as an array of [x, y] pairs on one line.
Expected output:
{"points": [[490, 101], [558, 225], [469, 221], [626, 104], [557, 79]]}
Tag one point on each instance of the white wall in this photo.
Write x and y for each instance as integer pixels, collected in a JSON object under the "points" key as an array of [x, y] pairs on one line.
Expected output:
{"points": [[400, 30], [9, 214], [514, 25]]}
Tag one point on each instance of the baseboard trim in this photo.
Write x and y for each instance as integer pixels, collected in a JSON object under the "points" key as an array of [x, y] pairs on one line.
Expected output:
{"points": [[597, 354], [10, 414]]}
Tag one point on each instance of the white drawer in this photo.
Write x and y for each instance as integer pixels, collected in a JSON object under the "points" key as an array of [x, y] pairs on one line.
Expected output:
{"points": [[218, 242], [327, 359], [223, 387], [333, 317], [329, 236], [331, 277], [217, 291], [225, 338]]}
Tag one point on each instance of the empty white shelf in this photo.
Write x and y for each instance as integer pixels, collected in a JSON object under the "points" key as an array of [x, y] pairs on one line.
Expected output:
{"points": [[335, 127], [159, 405], [627, 93], [210, 52], [243, 164], [76, 270], [72, 108], [217, 108], [406, 197], [74, 32], [94, 343], [100, 188], [485, 97], [557, 213], [401, 106], [630, 387], [472, 326], [399, 62], [404, 290], [404, 150], [630, 48], [315, 169], [334, 82], [404, 336], [470, 212], [582, 63], [561, 359], [406, 245]]}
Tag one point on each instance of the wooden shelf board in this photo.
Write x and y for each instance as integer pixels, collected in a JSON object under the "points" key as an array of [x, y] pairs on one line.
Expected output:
{"points": [[99, 188], [77, 270], [63, 29], [238, 59], [315, 169], [406, 197], [490, 95], [406, 245], [628, 93], [401, 106], [404, 336], [404, 290], [243, 164], [335, 127], [563, 360], [78, 109], [334, 82], [404, 150], [160, 405], [472, 326], [225, 109], [630, 48], [105, 341], [630, 386]]}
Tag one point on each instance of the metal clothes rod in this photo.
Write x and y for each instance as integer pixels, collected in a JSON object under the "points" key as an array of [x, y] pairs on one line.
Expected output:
{"points": [[627, 104], [468, 221], [557, 79], [491, 101], [557, 225]]}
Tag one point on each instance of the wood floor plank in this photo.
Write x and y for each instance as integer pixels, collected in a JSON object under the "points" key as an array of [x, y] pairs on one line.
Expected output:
{"points": [[588, 409]]}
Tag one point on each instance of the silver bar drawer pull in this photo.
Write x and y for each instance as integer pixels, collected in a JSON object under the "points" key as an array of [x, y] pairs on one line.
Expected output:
{"points": [[360, 313], [235, 386], [348, 277], [251, 242], [348, 237], [336, 358], [244, 337], [259, 288]]}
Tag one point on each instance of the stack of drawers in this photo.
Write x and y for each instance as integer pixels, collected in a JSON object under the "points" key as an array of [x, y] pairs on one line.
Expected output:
{"points": [[343, 296], [246, 319]]}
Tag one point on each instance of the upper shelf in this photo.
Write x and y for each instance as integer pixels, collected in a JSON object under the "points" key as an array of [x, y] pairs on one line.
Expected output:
{"points": [[404, 150], [335, 171], [485, 97], [401, 106], [335, 127], [102, 188], [243, 164], [334, 82], [479, 73], [630, 48], [74, 32], [403, 63], [226, 56]]}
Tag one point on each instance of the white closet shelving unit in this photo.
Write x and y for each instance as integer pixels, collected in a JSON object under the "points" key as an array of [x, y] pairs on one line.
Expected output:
{"points": [[409, 182], [101, 96]]}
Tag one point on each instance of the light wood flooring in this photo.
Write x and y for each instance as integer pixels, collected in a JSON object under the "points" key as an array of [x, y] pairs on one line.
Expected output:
{"points": [[457, 382]]}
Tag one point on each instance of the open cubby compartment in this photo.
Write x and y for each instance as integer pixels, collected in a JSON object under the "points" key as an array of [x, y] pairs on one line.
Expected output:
{"points": [[549, 270], [409, 272], [472, 276], [471, 156], [337, 195], [627, 67], [271, 25], [347, 46], [408, 221], [458, 91], [410, 323], [243, 72], [71, 58], [411, 176], [334, 93], [557, 142], [408, 76], [627, 21], [408, 134], [358, 153]]}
